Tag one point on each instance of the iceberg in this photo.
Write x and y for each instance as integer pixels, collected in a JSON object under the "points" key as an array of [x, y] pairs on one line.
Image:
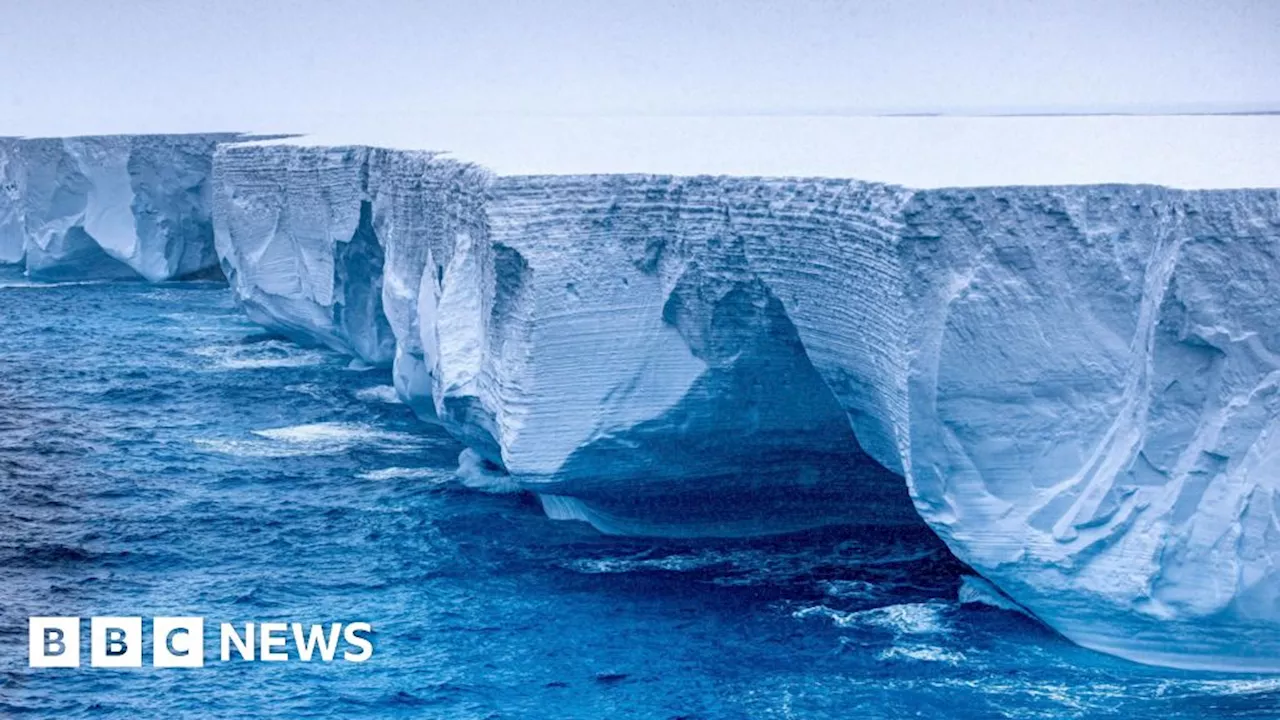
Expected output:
{"points": [[1074, 383], [1075, 386], [120, 206]]}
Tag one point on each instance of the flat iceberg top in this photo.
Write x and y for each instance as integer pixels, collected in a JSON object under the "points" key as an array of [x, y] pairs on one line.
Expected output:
{"points": [[1183, 151]]}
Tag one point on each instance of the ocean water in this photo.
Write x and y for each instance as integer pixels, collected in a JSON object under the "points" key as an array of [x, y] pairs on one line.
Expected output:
{"points": [[159, 455]]}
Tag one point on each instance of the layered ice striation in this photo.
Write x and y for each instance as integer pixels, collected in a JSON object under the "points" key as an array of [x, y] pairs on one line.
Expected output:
{"points": [[120, 206], [611, 343], [1079, 384]]}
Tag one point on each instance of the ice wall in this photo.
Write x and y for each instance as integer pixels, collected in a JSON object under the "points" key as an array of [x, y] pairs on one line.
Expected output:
{"points": [[329, 245], [1078, 384], [1094, 409], [604, 341], [12, 232], [108, 206], [646, 363]]}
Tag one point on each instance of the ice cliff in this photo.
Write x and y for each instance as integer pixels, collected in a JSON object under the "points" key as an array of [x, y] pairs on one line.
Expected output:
{"points": [[1092, 408], [1077, 387], [116, 206], [1079, 384]]}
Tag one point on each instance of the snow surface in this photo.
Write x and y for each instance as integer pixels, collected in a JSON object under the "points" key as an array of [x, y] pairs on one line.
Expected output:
{"points": [[1185, 151], [1078, 383], [115, 206]]}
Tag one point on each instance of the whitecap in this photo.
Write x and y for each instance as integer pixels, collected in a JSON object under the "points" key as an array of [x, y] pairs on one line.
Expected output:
{"points": [[670, 563], [256, 449], [268, 354], [907, 618], [403, 473], [263, 363], [922, 653], [379, 393], [473, 472], [839, 617], [328, 433], [202, 325], [736, 567], [325, 438], [853, 589], [903, 619], [1228, 687], [308, 389]]}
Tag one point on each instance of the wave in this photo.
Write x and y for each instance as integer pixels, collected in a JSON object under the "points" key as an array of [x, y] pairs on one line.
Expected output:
{"points": [[403, 473], [670, 563], [309, 389], [252, 449], [204, 325], [267, 354], [912, 625], [739, 567], [325, 438], [1223, 688], [473, 472], [379, 393], [850, 589], [772, 565], [922, 653], [325, 433], [902, 619]]}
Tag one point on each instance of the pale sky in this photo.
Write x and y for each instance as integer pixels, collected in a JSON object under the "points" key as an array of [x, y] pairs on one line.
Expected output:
{"points": [[97, 66]]}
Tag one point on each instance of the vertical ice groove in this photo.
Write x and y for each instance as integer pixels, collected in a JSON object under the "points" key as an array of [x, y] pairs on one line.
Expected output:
{"points": [[1119, 446], [299, 236]]}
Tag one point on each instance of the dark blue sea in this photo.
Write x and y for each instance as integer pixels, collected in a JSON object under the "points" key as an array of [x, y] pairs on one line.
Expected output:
{"points": [[159, 455]]}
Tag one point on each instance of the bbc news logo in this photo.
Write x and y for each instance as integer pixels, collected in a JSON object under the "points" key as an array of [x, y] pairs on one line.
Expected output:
{"points": [[117, 642]]}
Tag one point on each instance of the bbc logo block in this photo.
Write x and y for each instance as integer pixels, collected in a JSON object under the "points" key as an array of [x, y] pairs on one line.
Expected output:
{"points": [[54, 641], [116, 642], [177, 642]]}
